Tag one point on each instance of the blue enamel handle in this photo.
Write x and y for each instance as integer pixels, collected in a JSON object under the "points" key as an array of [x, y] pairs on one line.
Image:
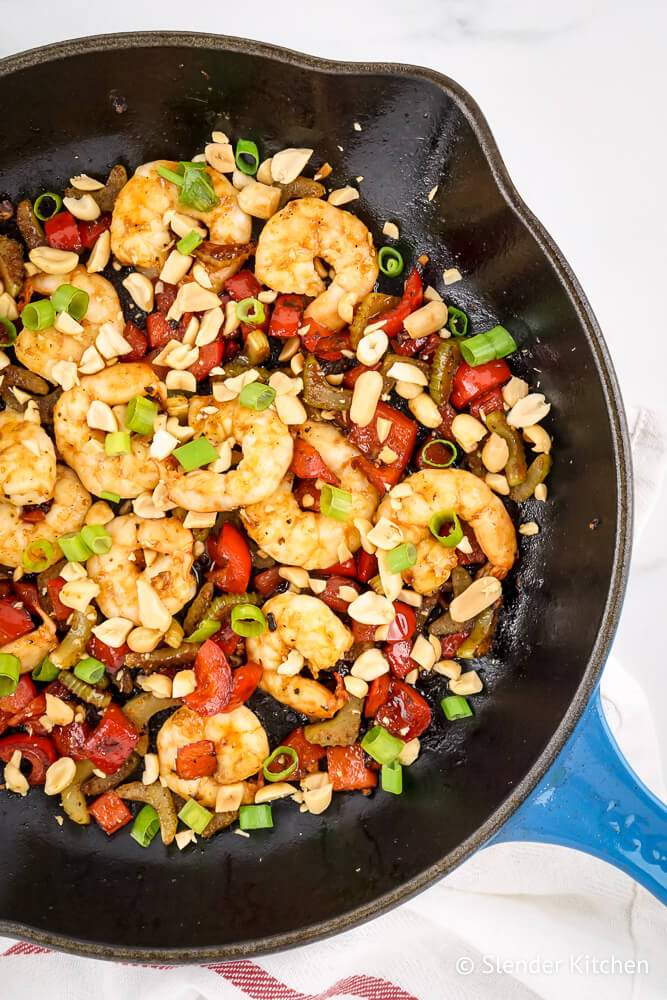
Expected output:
{"points": [[591, 800]]}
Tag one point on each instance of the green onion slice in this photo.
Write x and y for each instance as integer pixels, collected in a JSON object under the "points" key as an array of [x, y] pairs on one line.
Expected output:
{"points": [[146, 826], [477, 350], [204, 631], [38, 315], [189, 242], [391, 778], [247, 620], [195, 816], [197, 190], [402, 557], [171, 175], [10, 670], [73, 547], [335, 502], [256, 817], [195, 454], [89, 670], [390, 262], [430, 461], [251, 311], [117, 443], [47, 671], [381, 745], [502, 341], [72, 300], [141, 414], [9, 336], [257, 396], [246, 156], [457, 321], [97, 538], [111, 497], [38, 555], [42, 214], [439, 521], [281, 775], [455, 707]]}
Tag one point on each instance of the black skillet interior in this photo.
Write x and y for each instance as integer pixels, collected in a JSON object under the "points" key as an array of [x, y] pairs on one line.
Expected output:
{"points": [[88, 105]]}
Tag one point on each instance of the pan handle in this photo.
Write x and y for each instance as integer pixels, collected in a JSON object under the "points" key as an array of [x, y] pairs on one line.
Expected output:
{"points": [[591, 800]]}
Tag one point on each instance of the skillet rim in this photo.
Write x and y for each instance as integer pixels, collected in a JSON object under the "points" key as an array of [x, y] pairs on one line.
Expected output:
{"points": [[621, 457]]}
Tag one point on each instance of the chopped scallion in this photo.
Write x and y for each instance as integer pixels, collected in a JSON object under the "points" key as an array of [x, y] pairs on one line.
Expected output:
{"points": [[439, 521], [246, 156], [111, 497], [390, 262], [247, 620], [44, 214], [402, 557], [381, 745], [391, 778], [146, 826], [433, 445], [9, 336], [285, 773], [189, 242], [89, 670], [10, 671], [141, 414], [256, 817], [195, 816], [97, 538], [204, 631], [250, 311], [38, 555], [73, 547], [490, 346], [72, 300], [46, 672], [457, 321], [257, 396], [117, 443], [335, 502], [38, 315], [195, 454], [455, 707]]}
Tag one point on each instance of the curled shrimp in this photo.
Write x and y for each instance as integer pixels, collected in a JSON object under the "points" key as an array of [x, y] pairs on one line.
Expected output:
{"points": [[309, 539], [71, 503], [27, 460], [39, 350], [241, 747], [31, 649], [434, 490], [304, 230], [159, 550], [267, 449], [303, 623], [83, 448], [140, 233]]}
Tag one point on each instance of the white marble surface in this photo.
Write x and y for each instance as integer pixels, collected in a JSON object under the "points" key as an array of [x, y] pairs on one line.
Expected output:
{"points": [[574, 93]]}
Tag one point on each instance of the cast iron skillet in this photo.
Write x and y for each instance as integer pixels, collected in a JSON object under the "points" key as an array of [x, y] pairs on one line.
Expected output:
{"points": [[84, 105]]}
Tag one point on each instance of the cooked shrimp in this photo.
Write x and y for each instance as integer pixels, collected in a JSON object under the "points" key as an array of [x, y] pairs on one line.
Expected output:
{"points": [[31, 649], [39, 350], [436, 490], [297, 537], [169, 572], [71, 503], [303, 623], [27, 460], [267, 449], [140, 234], [83, 448], [307, 229], [303, 694], [241, 747]]}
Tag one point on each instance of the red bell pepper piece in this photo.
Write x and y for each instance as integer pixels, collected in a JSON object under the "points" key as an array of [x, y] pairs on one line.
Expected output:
{"points": [[405, 713], [33, 515], [348, 770], [159, 330], [287, 316], [196, 760], [403, 625], [90, 232], [307, 463], [488, 402], [469, 383], [307, 495], [62, 232], [29, 716], [112, 658], [378, 692], [231, 555], [309, 754], [14, 622], [110, 812], [424, 347], [347, 568], [398, 658], [244, 683], [268, 581], [323, 343], [53, 587], [15, 703], [210, 356], [477, 555], [413, 296], [331, 594], [112, 741], [450, 643], [39, 751], [367, 566], [214, 681], [138, 339], [363, 633], [401, 439], [243, 285], [71, 740], [165, 298], [28, 595], [227, 639]]}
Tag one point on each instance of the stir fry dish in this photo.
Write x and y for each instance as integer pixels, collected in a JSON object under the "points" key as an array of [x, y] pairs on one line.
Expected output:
{"points": [[252, 467]]}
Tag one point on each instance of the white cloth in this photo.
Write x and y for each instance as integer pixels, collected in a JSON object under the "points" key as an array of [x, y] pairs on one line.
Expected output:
{"points": [[515, 921]]}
